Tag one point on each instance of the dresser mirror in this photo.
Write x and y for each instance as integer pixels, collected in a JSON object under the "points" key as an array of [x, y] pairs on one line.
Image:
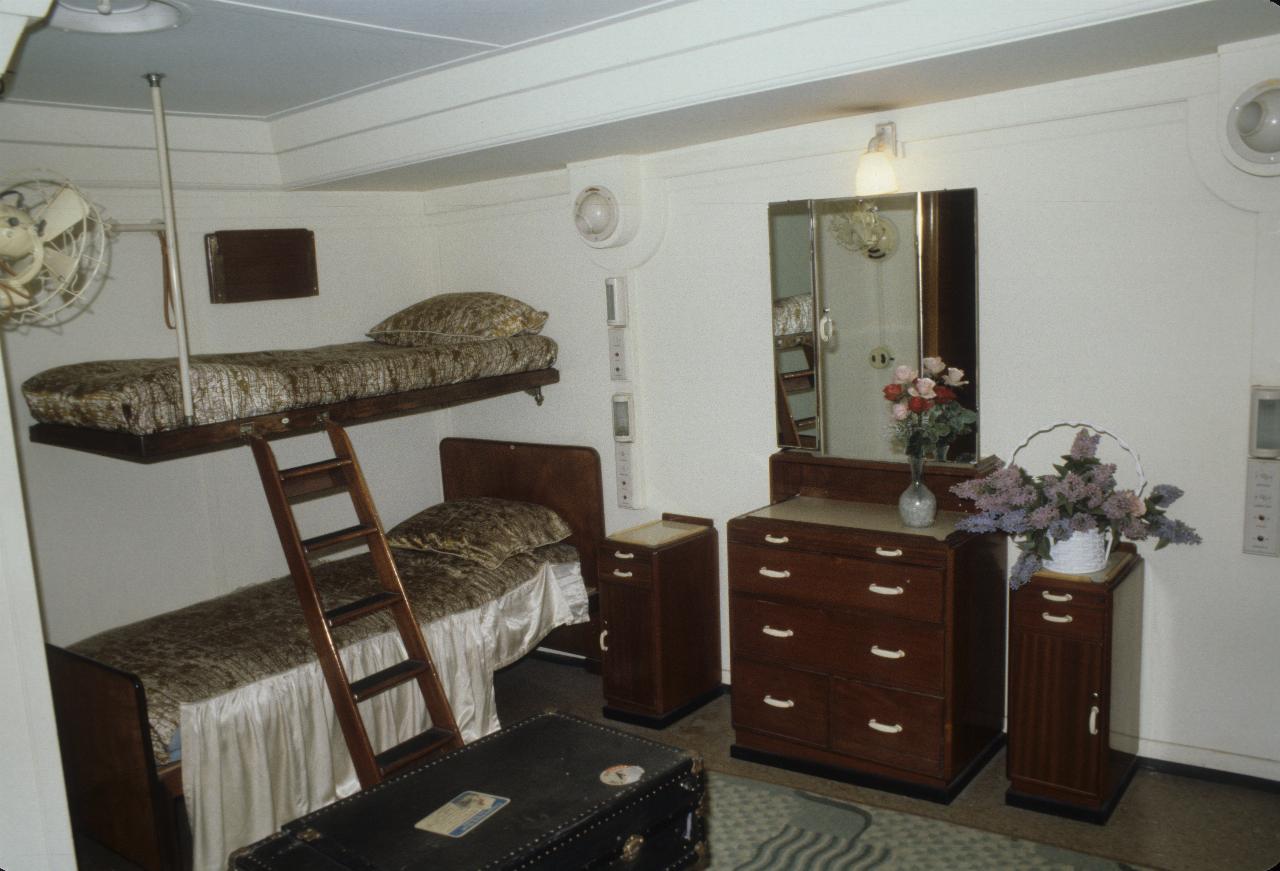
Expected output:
{"points": [[861, 286]]}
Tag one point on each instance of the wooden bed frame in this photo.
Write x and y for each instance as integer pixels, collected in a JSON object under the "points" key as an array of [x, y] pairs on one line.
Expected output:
{"points": [[117, 794], [171, 444]]}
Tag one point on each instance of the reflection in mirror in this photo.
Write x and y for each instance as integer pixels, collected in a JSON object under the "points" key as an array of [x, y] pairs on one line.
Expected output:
{"points": [[861, 286]]}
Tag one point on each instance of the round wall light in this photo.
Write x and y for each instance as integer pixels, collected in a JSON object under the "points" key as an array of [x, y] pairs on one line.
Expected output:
{"points": [[595, 212], [1253, 124]]}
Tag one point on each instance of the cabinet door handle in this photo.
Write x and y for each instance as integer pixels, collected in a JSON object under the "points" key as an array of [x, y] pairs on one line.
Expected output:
{"points": [[1093, 720], [1054, 618], [623, 554], [604, 633], [776, 539], [779, 703], [884, 727], [619, 573], [1054, 597], [887, 654], [777, 633], [773, 573], [886, 551], [886, 591]]}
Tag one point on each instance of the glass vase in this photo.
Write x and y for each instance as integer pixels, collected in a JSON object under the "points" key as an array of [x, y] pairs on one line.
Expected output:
{"points": [[917, 506]]}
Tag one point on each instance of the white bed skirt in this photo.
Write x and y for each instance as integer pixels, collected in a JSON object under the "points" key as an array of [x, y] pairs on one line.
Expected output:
{"points": [[257, 757]]}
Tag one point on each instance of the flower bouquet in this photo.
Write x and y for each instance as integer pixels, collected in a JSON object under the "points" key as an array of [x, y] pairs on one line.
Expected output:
{"points": [[927, 418], [1081, 498]]}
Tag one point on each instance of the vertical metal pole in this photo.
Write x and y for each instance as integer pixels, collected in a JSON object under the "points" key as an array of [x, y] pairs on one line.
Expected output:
{"points": [[171, 242]]}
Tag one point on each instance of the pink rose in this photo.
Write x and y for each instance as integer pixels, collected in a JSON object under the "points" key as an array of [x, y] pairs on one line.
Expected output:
{"points": [[933, 365], [954, 377], [923, 387], [900, 411], [904, 374]]}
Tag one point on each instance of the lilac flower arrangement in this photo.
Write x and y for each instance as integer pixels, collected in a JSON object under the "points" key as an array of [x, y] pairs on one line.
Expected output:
{"points": [[926, 415], [1081, 497]]}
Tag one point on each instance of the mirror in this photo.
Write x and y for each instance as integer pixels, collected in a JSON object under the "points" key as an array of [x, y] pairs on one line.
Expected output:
{"points": [[861, 286]]}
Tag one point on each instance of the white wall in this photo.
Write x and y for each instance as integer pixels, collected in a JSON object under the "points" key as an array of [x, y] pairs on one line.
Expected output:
{"points": [[1116, 284]]}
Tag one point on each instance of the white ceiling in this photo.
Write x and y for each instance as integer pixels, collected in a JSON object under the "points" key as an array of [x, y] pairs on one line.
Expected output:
{"points": [[279, 60], [268, 57]]}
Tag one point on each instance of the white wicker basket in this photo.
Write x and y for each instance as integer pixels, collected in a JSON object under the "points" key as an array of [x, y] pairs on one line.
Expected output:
{"points": [[1084, 552]]}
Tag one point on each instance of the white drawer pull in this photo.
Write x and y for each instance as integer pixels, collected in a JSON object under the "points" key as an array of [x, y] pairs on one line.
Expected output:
{"points": [[1093, 720], [776, 539], [779, 703], [885, 551], [883, 727], [1054, 597], [777, 633], [887, 654], [1054, 618], [774, 573], [886, 591], [623, 554], [619, 573], [604, 633]]}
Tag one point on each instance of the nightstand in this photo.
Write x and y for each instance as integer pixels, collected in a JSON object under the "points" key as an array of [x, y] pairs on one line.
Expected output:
{"points": [[660, 618], [1075, 646]]}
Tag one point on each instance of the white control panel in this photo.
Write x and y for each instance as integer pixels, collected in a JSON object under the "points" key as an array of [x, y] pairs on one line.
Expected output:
{"points": [[626, 468], [618, 354], [1262, 508]]}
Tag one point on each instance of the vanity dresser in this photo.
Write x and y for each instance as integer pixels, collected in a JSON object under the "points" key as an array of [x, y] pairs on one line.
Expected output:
{"points": [[863, 650]]}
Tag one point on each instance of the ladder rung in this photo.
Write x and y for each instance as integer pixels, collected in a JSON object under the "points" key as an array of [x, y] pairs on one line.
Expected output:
{"points": [[408, 752], [314, 477], [351, 533], [381, 681], [352, 611]]}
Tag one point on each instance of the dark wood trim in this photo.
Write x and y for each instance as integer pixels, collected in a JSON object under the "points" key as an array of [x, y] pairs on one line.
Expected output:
{"points": [[1097, 816], [940, 794], [1211, 775], [799, 473], [666, 719], [188, 441]]}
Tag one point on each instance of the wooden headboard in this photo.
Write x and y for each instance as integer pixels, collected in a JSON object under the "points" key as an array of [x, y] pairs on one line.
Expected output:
{"points": [[565, 478]]}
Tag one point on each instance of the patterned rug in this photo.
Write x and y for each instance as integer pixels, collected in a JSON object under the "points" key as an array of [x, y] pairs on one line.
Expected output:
{"points": [[757, 826]]}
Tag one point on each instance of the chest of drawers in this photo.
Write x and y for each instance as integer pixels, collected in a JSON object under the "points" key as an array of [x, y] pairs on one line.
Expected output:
{"points": [[863, 650]]}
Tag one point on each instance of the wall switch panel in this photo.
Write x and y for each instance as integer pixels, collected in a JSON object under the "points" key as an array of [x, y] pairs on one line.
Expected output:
{"points": [[618, 354], [1262, 508], [627, 475]]}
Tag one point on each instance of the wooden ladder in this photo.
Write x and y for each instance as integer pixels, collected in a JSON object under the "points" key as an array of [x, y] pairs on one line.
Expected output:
{"points": [[342, 472]]}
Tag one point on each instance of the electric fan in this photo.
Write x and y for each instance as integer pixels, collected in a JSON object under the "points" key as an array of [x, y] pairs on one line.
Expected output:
{"points": [[52, 248]]}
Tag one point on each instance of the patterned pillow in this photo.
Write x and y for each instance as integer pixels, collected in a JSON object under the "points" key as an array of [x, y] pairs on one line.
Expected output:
{"points": [[458, 317], [482, 529]]}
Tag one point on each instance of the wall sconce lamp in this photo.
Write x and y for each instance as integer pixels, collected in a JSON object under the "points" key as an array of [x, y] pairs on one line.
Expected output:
{"points": [[1253, 124], [875, 173]]}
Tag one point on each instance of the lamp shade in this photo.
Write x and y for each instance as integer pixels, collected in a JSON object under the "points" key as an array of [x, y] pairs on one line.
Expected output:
{"points": [[875, 175]]}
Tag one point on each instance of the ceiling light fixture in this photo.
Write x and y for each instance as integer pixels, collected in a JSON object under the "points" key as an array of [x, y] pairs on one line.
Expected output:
{"points": [[1253, 124], [117, 16], [875, 173]]}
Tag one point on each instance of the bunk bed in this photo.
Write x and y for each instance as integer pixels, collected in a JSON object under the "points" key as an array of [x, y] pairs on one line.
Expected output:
{"points": [[126, 793]]}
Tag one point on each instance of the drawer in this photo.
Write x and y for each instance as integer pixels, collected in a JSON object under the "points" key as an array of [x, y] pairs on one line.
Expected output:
{"points": [[845, 541], [782, 701], [790, 634], [1033, 613], [899, 590], [623, 563], [893, 727], [896, 653]]}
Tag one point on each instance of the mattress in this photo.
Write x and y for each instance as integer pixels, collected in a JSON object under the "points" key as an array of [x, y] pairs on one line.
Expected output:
{"points": [[144, 396], [223, 644]]}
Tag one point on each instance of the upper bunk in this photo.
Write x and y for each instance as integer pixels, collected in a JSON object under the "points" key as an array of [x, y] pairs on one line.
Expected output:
{"points": [[447, 350]]}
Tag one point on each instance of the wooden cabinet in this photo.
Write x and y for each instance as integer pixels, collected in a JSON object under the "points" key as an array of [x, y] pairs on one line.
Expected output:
{"points": [[864, 650], [1074, 669], [660, 620]]}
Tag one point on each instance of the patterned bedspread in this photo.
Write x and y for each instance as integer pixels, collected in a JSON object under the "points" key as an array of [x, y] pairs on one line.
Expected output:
{"points": [[222, 644], [145, 396]]}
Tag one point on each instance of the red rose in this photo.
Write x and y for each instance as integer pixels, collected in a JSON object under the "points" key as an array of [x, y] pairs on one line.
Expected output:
{"points": [[918, 404], [944, 394], [893, 392]]}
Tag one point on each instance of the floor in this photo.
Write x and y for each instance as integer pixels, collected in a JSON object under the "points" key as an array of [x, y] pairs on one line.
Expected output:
{"points": [[1164, 821]]}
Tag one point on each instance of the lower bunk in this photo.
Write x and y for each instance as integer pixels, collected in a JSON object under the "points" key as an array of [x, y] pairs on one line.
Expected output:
{"points": [[219, 714]]}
